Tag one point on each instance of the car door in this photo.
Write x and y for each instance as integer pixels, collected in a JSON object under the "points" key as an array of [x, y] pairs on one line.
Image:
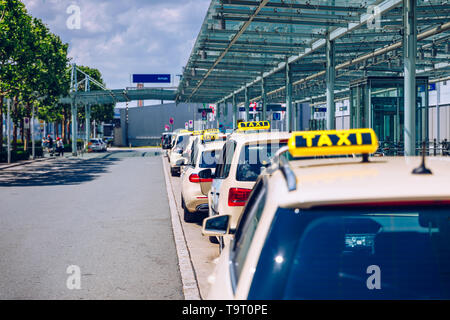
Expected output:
{"points": [[227, 157]]}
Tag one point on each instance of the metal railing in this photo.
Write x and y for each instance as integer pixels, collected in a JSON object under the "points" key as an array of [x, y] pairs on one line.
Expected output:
{"points": [[432, 148]]}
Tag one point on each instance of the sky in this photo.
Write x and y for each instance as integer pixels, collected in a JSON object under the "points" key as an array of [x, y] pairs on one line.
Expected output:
{"points": [[124, 37]]}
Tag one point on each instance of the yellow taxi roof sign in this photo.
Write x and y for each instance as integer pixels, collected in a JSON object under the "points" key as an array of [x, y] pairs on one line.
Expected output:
{"points": [[209, 137], [254, 125], [211, 130], [332, 142], [197, 132]]}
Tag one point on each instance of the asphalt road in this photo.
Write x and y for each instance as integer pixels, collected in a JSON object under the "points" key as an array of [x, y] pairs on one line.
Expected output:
{"points": [[107, 215]]}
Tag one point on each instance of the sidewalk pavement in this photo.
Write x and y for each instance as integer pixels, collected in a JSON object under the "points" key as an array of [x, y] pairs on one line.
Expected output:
{"points": [[46, 157]]}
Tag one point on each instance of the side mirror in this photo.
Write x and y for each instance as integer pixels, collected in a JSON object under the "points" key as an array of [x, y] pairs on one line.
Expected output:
{"points": [[216, 226], [181, 162]]}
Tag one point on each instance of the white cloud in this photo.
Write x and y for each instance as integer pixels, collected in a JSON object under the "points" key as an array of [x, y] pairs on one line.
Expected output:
{"points": [[124, 37]]}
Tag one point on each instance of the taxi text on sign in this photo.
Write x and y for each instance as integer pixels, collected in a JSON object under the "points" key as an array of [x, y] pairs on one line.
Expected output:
{"points": [[254, 125], [333, 142]]}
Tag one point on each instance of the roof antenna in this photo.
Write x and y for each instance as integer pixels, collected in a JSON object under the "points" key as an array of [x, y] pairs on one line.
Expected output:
{"points": [[422, 169]]}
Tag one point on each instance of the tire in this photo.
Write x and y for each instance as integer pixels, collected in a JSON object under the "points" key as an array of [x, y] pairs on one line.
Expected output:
{"points": [[213, 239], [189, 217]]}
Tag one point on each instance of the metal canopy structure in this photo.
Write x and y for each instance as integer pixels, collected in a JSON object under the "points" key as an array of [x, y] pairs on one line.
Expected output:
{"points": [[292, 51], [120, 95]]}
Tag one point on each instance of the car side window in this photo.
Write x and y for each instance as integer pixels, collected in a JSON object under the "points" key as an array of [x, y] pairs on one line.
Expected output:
{"points": [[219, 165], [194, 153], [247, 227], [228, 158], [225, 158]]}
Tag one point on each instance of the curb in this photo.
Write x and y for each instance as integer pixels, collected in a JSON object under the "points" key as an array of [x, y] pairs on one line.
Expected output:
{"points": [[191, 290]]}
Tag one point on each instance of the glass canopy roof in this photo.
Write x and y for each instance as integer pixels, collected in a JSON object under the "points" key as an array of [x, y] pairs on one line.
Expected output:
{"points": [[242, 42]]}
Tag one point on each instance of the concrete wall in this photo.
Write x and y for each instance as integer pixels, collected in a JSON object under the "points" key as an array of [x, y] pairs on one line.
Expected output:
{"points": [[145, 124]]}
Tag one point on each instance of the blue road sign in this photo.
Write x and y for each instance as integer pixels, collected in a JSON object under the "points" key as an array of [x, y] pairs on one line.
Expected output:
{"points": [[151, 78], [276, 116]]}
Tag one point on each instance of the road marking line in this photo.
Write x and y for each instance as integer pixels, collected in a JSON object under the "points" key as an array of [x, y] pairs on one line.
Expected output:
{"points": [[191, 290]]}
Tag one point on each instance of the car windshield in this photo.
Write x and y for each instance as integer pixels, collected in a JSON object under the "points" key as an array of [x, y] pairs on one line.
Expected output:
{"points": [[356, 253], [209, 159], [253, 158]]}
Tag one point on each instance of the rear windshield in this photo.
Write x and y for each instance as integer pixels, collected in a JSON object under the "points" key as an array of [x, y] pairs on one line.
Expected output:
{"points": [[209, 159], [357, 253], [253, 158]]}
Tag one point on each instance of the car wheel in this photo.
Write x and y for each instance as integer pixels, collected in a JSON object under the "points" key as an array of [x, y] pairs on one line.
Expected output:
{"points": [[189, 217], [213, 239]]}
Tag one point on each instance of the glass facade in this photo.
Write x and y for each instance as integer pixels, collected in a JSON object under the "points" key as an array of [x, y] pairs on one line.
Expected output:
{"points": [[378, 103]]}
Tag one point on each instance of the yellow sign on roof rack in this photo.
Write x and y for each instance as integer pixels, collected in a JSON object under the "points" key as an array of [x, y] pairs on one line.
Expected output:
{"points": [[212, 130], [197, 132], [332, 142], [207, 137], [254, 125]]}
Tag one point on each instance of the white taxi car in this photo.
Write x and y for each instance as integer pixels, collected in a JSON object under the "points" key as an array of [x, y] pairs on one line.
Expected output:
{"points": [[193, 201], [243, 158], [176, 153], [339, 228]]}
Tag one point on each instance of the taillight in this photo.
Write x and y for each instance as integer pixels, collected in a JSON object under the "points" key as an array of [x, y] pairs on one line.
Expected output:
{"points": [[196, 179], [238, 196]]}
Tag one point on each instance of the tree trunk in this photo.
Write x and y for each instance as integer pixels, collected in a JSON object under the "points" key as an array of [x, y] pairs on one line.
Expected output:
{"points": [[14, 141], [63, 125], [1, 124], [68, 131], [23, 134], [56, 124]]}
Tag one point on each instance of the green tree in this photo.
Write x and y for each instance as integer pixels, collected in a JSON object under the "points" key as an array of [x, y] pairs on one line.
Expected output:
{"points": [[15, 31]]}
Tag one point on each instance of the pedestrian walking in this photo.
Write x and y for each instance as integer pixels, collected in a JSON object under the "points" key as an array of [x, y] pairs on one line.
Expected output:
{"points": [[60, 147], [50, 145]]}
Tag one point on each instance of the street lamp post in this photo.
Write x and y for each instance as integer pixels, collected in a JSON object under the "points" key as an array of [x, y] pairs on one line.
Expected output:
{"points": [[8, 132]]}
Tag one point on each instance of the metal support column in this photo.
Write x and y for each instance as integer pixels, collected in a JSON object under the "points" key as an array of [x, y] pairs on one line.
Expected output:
{"points": [[218, 115], [358, 107], [288, 98], [247, 104], [235, 113], [33, 142], [330, 79], [87, 110], [263, 99], [74, 127], [438, 112], [225, 111], [73, 108], [410, 51]]}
